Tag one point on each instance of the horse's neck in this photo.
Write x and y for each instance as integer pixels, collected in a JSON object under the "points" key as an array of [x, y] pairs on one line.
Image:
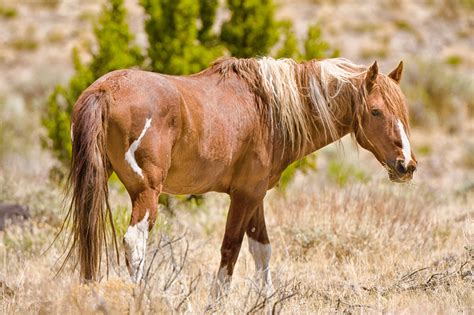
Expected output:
{"points": [[320, 139]]}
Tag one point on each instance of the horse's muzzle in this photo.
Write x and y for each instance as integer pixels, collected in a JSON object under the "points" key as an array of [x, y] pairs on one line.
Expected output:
{"points": [[399, 172], [402, 169]]}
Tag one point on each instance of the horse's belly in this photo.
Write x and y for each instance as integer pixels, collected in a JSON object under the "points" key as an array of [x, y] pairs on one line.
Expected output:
{"points": [[197, 179]]}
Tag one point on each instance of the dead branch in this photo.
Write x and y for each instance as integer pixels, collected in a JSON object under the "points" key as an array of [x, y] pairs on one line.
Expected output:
{"points": [[193, 283]]}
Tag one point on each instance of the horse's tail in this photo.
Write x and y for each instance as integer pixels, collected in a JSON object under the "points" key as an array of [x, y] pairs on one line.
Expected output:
{"points": [[87, 183]]}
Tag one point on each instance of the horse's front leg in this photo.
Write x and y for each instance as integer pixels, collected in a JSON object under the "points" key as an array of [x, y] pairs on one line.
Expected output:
{"points": [[242, 208], [261, 250]]}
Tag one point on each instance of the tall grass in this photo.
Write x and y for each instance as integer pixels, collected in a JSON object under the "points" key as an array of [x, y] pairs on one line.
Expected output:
{"points": [[367, 246]]}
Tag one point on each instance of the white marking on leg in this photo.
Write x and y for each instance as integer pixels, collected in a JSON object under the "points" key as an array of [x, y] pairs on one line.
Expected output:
{"points": [[135, 248], [223, 275], [406, 149], [130, 155], [261, 254], [221, 283]]}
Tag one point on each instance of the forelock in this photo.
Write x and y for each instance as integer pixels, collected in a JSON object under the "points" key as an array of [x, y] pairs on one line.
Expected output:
{"points": [[393, 98]]}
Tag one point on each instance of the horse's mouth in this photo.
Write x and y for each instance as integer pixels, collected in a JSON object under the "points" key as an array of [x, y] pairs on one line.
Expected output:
{"points": [[397, 177], [400, 179]]}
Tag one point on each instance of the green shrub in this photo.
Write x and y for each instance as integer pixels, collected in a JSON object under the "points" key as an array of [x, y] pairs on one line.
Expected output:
{"points": [[304, 165], [252, 29], [424, 150], [27, 41], [8, 12], [467, 4], [171, 26], [342, 173], [207, 14], [56, 36], [454, 60], [315, 47], [404, 25], [289, 47], [438, 94]]}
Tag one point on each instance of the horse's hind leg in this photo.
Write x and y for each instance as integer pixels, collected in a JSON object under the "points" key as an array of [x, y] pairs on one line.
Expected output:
{"points": [[152, 158], [260, 248], [144, 214], [144, 194]]}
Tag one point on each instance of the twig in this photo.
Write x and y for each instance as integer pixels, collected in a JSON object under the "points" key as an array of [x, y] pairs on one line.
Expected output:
{"points": [[284, 298], [192, 287], [412, 274], [339, 302], [177, 268]]}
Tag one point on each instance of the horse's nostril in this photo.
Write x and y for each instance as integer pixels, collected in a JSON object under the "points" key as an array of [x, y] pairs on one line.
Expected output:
{"points": [[400, 166], [411, 168]]}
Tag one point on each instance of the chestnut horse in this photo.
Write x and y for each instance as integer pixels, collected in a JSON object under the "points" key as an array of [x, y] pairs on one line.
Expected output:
{"points": [[231, 128]]}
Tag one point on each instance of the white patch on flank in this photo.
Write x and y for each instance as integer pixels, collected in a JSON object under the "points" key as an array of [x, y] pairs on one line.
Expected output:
{"points": [[130, 155], [135, 248], [71, 132], [261, 254], [406, 149]]}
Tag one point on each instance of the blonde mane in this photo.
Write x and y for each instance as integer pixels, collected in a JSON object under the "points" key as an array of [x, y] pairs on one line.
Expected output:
{"points": [[294, 97], [279, 80], [332, 84]]}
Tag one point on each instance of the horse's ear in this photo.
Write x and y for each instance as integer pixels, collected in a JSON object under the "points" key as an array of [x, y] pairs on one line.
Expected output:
{"points": [[396, 74], [371, 76]]}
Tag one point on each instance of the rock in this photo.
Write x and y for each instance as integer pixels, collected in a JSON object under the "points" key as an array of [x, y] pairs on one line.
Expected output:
{"points": [[5, 290], [12, 213]]}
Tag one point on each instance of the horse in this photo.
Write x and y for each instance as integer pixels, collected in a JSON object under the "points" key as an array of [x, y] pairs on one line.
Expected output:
{"points": [[232, 128]]}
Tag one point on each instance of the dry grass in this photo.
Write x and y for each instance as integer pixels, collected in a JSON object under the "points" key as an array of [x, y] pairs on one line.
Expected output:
{"points": [[365, 247], [345, 240]]}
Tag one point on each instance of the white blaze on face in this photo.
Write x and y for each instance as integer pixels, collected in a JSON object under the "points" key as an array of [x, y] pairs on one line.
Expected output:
{"points": [[406, 149], [130, 155], [261, 254], [135, 248]]}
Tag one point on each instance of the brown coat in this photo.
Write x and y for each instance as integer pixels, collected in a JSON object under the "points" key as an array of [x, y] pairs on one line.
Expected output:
{"points": [[232, 128]]}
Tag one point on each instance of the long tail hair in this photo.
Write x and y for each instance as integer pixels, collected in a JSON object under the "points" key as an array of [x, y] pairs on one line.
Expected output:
{"points": [[87, 184]]}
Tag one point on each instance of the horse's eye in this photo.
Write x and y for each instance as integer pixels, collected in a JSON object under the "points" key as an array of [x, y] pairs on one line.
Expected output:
{"points": [[375, 112]]}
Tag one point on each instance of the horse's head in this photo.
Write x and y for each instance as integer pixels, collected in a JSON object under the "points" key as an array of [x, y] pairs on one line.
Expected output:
{"points": [[383, 124]]}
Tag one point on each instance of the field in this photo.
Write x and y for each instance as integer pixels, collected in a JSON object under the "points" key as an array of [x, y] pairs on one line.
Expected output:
{"points": [[344, 238]]}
